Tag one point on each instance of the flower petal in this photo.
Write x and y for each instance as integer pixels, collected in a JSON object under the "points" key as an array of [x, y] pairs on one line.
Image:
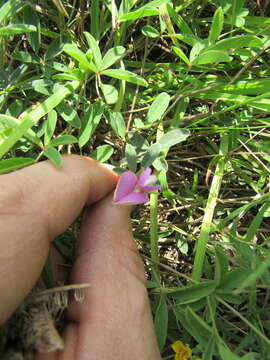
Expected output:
{"points": [[133, 198], [150, 188], [144, 176], [126, 185]]}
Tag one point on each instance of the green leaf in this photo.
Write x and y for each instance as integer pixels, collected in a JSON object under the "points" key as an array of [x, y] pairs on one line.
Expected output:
{"points": [[173, 137], [211, 57], [24, 56], [74, 75], [150, 31], [56, 47], [53, 155], [12, 122], [8, 9], [221, 265], [93, 45], [160, 164], [187, 38], [110, 93], [161, 322], [138, 141], [42, 86], [197, 327], [256, 222], [233, 279], [111, 56], [210, 349], [8, 165], [179, 21], [50, 125], [32, 116], [151, 155], [78, 55], [250, 87], [179, 52], [69, 114], [131, 156], [117, 122], [102, 153], [226, 353], [95, 18], [125, 75], [138, 14], [192, 293], [158, 107], [13, 29], [217, 25], [62, 140], [237, 42], [30, 17], [91, 121]]}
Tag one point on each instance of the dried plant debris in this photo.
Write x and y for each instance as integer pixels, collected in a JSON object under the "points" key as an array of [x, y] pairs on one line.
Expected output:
{"points": [[39, 321]]}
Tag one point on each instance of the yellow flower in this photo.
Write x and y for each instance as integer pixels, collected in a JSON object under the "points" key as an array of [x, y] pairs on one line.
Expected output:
{"points": [[182, 352]]}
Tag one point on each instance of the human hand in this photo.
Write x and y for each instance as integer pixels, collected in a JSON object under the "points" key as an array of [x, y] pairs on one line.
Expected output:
{"points": [[40, 202]]}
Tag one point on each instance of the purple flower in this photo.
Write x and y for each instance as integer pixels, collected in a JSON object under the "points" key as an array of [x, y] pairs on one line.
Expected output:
{"points": [[132, 189]]}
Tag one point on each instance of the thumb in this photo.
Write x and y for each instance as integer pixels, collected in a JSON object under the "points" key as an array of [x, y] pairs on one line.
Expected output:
{"points": [[116, 307]]}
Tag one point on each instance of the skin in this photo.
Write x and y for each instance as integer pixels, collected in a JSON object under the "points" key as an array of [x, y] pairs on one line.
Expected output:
{"points": [[38, 203]]}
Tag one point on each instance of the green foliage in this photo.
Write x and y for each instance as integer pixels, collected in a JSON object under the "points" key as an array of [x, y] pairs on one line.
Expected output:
{"points": [[183, 88]]}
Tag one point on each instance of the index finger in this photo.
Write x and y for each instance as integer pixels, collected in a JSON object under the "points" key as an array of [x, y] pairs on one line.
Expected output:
{"points": [[36, 204]]}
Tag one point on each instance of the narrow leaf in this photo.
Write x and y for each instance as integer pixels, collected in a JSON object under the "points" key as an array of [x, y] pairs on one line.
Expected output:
{"points": [[131, 156], [173, 137], [93, 45], [91, 120], [211, 57], [12, 122], [117, 123], [226, 353], [150, 31], [158, 107], [69, 114], [179, 52], [237, 42], [194, 292], [140, 13], [8, 165], [77, 54], [62, 140], [112, 56], [102, 153], [110, 93], [53, 155], [30, 17], [32, 116], [24, 56], [161, 322], [13, 29], [56, 47], [198, 328], [50, 125], [217, 25], [125, 75], [151, 155]]}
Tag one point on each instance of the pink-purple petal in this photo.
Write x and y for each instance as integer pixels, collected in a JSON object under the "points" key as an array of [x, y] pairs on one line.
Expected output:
{"points": [[144, 176], [133, 198], [151, 188], [126, 185]]}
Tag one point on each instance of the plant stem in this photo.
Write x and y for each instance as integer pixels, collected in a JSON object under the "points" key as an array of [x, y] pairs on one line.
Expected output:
{"points": [[154, 235], [209, 211]]}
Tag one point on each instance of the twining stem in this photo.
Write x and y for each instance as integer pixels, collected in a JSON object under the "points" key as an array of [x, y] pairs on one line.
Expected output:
{"points": [[209, 211], [154, 235]]}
